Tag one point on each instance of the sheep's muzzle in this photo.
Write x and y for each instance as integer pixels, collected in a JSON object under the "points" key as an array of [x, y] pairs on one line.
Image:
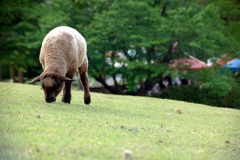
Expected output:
{"points": [[50, 99]]}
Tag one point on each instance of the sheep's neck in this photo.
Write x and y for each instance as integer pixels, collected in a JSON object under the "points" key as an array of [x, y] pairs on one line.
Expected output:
{"points": [[55, 70]]}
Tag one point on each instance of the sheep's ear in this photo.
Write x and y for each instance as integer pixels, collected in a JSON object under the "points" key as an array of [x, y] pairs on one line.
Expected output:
{"points": [[35, 79], [66, 79]]}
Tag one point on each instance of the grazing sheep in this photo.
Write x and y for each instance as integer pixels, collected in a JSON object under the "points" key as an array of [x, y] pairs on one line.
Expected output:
{"points": [[63, 52]]}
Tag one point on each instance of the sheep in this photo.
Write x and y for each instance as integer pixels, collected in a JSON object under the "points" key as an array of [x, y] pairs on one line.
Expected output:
{"points": [[63, 52]]}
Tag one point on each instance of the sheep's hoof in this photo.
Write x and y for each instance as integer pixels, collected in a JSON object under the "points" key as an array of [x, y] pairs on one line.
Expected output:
{"points": [[87, 100], [66, 102], [66, 99]]}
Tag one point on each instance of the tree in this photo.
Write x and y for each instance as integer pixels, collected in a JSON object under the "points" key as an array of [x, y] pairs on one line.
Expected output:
{"points": [[144, 36], [24, 23], [128, 39], [16, 26]]}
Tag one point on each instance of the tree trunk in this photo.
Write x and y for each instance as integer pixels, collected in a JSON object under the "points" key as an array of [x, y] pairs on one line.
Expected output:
{"points": [[12, 74], [1, 74], [146, 86], [111, 89], [20, 76], [173, 49]]}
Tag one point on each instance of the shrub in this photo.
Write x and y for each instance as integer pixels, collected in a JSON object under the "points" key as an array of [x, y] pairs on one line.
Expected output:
{"points": [[205, 95]]}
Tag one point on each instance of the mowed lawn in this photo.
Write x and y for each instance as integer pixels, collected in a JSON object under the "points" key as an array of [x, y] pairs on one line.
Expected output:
{"points": [[150, 128]]}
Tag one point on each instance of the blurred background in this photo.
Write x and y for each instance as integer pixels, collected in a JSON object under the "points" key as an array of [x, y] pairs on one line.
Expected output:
{"points": [[176, 49]]}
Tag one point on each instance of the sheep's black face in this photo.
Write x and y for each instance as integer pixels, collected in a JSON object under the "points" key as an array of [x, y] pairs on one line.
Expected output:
{"points": [[51, 86]]}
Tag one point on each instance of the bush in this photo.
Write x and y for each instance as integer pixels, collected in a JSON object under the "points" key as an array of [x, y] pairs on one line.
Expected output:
{"points": [[183, 93], [205, 95], [232, 99]]}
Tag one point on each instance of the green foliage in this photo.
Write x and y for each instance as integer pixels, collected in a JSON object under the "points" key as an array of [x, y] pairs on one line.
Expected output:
{"points": [[232, 98], [219, 90], [220, 86], [148, 28], [217, 82], [141, 32], [208, 86], [151, 128], [15, 47], [24, 25]]}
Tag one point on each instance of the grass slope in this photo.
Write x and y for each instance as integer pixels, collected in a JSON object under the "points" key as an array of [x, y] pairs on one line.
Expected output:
{"points": [[151, 128]]}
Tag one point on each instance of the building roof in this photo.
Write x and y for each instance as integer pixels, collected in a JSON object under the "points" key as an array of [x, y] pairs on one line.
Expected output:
{"points": [[224, 59], [188, 63]]}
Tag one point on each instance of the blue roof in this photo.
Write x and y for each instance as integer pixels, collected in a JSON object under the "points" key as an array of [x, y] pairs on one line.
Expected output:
{"points": [[233, 65]]}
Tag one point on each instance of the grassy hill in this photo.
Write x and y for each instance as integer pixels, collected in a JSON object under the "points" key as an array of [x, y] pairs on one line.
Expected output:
{"points": [[151, 128]]}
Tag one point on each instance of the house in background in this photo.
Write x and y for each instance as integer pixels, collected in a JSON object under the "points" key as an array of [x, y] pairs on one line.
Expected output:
{"points": [[233, 65], [224, 59], [188, 63]]}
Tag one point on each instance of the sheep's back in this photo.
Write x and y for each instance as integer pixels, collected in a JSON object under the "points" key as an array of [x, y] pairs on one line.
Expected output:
{"points": [[63, 46]]}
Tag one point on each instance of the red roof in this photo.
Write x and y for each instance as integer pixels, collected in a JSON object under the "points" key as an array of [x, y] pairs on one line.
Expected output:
{"points": [[224, 60], [188, 63]]}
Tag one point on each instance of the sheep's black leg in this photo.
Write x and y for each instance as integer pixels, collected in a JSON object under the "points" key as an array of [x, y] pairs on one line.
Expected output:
{"points": [[67, 92], [84, 81], [83, 77]]}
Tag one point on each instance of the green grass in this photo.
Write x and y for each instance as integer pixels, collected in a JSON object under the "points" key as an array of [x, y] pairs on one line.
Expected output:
{"points": [[151, 128]]}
